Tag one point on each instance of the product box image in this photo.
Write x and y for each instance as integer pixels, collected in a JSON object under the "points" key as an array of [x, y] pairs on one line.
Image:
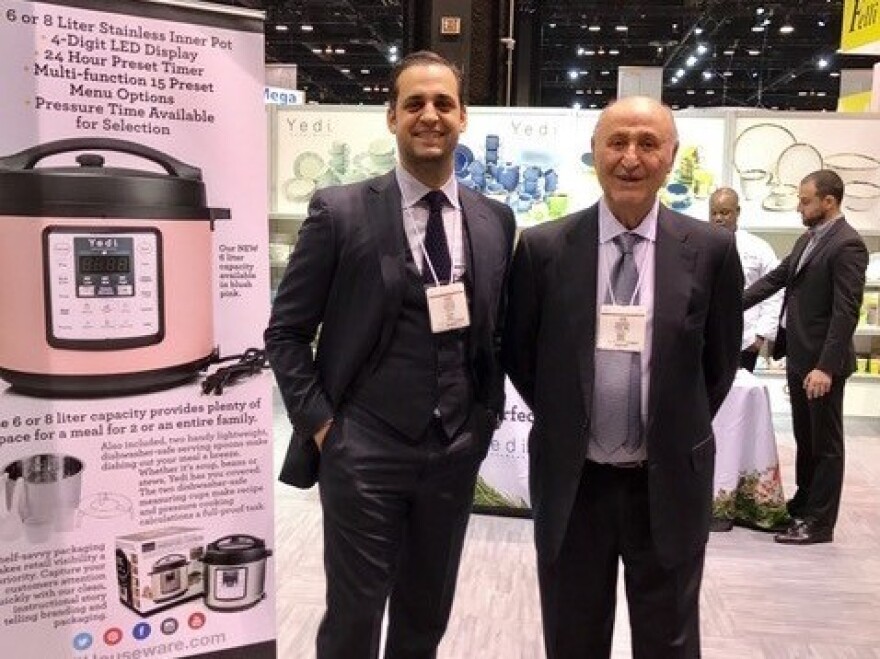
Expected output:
{"points": [[160, 568]]}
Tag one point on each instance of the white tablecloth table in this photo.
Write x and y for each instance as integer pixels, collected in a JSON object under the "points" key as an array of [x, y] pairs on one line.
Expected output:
{"points": [[748, 484]]}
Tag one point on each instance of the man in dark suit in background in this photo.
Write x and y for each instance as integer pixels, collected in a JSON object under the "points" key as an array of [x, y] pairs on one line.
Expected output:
{"points": [[824, 279], [623, 335], [405, 274]]}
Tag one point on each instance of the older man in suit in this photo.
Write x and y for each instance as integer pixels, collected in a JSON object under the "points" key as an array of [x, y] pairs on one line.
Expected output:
{"points": [[824, 280], [405, 275], [623, 336]]}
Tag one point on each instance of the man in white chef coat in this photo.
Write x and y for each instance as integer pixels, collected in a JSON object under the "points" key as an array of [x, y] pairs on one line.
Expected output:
{"points": [[758, 258]]}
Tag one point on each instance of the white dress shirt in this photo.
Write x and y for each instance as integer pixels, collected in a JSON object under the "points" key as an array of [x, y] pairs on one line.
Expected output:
{"points": [[415, 219], [643, 253]]}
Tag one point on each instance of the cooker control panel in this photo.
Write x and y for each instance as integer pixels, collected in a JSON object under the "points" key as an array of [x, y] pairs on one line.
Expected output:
{"points": [[103, 288]]}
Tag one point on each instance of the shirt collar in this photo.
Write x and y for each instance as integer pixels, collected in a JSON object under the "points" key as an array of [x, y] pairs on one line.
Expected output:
{"points": [[822, 228], [610, 227], [412, 190]]}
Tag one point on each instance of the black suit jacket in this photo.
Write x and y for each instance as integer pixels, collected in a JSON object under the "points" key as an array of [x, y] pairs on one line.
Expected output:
{"points": [[549, 353], [822, 300], [346, 275]]}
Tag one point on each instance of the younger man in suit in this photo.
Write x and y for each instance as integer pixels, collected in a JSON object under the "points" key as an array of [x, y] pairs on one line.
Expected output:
{"points": [[405, 275], [623, 336], [824, 279]]}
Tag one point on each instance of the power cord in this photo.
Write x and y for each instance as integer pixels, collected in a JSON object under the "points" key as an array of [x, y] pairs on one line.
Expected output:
{"points": [[250, 362]]}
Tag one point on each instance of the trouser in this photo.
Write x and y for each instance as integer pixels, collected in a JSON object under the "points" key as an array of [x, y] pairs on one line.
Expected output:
{"points": [[395, 515], [819, 463], [610, 521]]}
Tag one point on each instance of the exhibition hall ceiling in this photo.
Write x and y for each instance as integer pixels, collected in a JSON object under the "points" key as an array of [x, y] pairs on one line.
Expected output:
{"points": [[743, 53]]}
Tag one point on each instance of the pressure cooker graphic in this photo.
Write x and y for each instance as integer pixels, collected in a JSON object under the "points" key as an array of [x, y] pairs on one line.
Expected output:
{"points": [[235, 572], [107, 284]]}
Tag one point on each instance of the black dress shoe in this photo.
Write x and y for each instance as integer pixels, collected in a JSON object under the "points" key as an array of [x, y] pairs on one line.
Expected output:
{"points": [[720, 524], [804, 532]]}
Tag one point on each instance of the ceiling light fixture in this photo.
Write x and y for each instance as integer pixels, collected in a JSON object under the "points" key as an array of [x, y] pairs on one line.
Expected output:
{"points": [[757, 28], [614, 51], [754, 53], [595, 28], [698, 30], [690, 61], [679, 73], [572, 74], [707, 75], [621, 28], [702, 49], [788, 28], [281, 28], [307, 28], [822, 63]]}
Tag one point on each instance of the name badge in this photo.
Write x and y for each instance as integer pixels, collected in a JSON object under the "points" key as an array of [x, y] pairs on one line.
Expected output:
{"points": [[622, 328], [447, 307]]}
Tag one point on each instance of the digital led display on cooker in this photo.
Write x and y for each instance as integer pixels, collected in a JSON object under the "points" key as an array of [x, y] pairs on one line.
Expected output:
{"points": [[103, 286], [104, 265]]}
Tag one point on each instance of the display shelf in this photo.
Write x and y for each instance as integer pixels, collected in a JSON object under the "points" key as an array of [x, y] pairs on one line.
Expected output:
{"points": [[798, 228], [780, 372], [860, 395]]}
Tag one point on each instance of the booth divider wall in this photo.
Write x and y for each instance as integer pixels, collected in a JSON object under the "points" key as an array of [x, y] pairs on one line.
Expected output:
{"points": [[539, 161]]}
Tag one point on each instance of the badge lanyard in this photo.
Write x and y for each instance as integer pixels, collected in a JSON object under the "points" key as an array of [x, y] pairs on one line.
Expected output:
{"points": [[640, 268], [421, 238]]}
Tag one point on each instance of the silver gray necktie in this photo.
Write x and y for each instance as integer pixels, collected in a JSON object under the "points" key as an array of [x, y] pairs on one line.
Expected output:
{"points": [[617, 417]]}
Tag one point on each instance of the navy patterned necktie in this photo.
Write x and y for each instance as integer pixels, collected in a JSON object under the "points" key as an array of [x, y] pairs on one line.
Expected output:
{"points": [[436, 245]]}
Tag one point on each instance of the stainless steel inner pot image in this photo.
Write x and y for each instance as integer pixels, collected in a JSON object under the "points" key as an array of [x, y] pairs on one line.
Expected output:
{"points": [[52, 487], [112, 269], [235, 572]]}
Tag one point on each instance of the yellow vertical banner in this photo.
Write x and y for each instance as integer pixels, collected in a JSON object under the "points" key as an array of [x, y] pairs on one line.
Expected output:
{"points": [[860, 28]]}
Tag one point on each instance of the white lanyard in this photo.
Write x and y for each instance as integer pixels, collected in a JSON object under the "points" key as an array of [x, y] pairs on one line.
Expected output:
{"points": [[640, 268]]}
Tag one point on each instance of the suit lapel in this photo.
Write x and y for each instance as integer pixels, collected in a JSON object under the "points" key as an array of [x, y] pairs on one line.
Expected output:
{"points": [[578, 268], [818, 249], [675, 262], [385, 224], [479, 233]]}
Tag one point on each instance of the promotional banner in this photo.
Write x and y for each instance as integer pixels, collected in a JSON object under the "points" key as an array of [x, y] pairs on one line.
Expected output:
{"points": [[860, 27], [136, 470]]}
